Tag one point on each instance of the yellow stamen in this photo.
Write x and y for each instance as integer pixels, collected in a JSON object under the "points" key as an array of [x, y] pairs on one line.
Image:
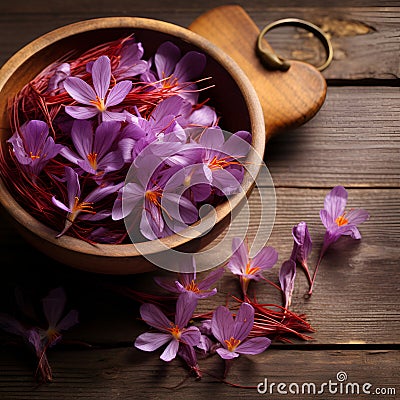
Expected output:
{"points": [[33, 156], [251, 270], [221, 163], [52, 335], [341, 220], [232, 343], [99, 103], [169, 82], [92, 157], [192, 286], [153, 196], [175, 332], [82, 206]]}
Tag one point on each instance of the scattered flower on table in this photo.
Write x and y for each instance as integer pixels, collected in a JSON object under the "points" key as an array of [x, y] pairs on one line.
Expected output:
{"points": [[232, 332], [173, 333], [187, 282], [302, 246], [248, 268], [287, 276], [39, 338], [338, 222]]}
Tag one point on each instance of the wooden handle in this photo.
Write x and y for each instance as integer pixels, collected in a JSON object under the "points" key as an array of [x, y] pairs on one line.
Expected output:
{"points": [[289, 98]]}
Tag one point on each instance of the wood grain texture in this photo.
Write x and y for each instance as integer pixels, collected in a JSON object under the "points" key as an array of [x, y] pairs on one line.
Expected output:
{"points": [[353, 141], [288, 99], [127, 373], [369, 49]]}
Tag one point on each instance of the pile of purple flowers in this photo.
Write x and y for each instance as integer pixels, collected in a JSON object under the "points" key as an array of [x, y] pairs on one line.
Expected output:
{"points": [[83, 125]]}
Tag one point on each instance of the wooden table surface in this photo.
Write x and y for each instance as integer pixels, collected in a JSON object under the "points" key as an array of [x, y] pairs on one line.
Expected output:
{"points": [[354, 141]]}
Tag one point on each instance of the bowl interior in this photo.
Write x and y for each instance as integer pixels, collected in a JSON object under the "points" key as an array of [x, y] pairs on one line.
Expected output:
{"points": [[232, 96]]}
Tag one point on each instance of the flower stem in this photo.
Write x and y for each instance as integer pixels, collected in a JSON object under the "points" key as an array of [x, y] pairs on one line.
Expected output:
{"points": [[310, 291], [307, 272]]}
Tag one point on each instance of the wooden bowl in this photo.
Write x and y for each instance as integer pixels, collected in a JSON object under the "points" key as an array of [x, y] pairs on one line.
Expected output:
{"points": [[233, 96]]}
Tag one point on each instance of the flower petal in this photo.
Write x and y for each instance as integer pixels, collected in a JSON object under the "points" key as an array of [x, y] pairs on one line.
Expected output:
{"points": [[287, 275], [165, 59], [154, 317], [179, 208], [166, 284], [266, 258], [185, 306], [81, 112], [222, 324], [68, 321], [211, 278], [118, 93], [357, 217], [113, 116], [254, 345], [101, 75], [105, 135], [226, 354], [303, 242], [58, 204], [244, 321], [150, 341], [326, 218], [171, 350], [82, 137], [239, 258], [79, 90], [53, 305], [212, 138], [190, 66], [191, 336], [335, 201]]}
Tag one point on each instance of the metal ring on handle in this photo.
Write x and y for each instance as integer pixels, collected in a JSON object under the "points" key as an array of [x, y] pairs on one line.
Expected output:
{"points": [[273, 61]]}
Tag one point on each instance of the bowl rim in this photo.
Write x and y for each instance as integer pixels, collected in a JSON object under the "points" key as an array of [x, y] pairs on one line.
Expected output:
{"points": [[242, 81]]}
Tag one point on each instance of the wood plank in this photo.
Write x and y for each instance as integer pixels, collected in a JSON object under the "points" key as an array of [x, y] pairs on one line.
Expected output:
{"points": [[366, 40], [354, 301], [353, 141], [129, 373]]}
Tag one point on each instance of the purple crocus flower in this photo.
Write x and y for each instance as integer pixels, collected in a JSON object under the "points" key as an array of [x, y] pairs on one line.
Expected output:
{"points": [[250, 268], [233, 333], [140, 132], [221, 159], [97, 99], [53, 308], [145, 196], [172, 333], [56, 82], [188, 354], [287, 275], [130, 61], [187, 283], [33, 147], [76, 206], [172, 71], [338, 222], [302, 246], [97, 152]]}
